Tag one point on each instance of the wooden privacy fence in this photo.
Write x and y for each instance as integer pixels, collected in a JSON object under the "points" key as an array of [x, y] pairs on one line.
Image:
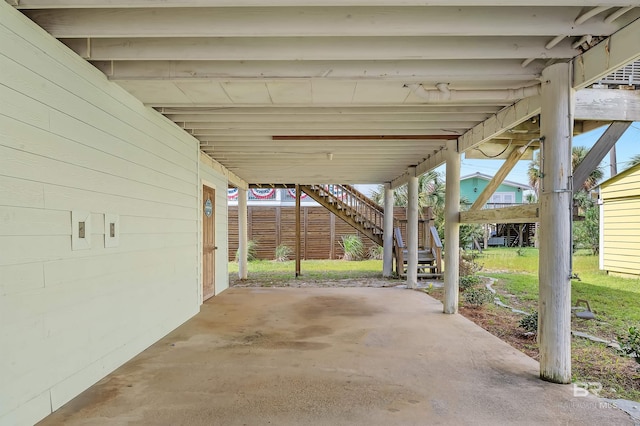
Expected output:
{"points": [[321, 230]]}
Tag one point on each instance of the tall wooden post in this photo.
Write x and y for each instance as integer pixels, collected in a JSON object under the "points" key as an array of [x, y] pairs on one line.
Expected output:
{"points": [[387, 236], [243, 241], [412, 229], [298, 232], [520, 229], [486, 236], [452, 228], [554, 269], [613, 162]]}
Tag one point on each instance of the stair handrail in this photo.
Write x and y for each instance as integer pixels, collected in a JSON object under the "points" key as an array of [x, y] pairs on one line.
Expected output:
{"points": [[436, 247], [371, 208], [353, 200], [364, 198]]}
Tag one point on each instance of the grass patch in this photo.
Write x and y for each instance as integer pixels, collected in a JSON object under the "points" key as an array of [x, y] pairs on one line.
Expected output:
{"points": [[614, 301], [269, 272]]}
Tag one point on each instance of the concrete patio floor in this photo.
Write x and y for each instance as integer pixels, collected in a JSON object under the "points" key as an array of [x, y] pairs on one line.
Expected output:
{"points": [[331, 356]]}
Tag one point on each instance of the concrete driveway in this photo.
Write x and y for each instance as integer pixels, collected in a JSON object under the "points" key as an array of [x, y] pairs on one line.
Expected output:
{"points": [[332, 356]]}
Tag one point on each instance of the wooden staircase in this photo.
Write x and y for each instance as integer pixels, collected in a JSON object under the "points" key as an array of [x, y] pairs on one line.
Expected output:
{"points": [[365, 216], [429, 258], [350, 205]]}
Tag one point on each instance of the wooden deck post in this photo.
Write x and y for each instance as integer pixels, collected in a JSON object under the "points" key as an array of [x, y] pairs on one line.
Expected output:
{"points": [[554, 306], [243, 241], [412, 229], [387, 237], [452, 228], [298, 231]]}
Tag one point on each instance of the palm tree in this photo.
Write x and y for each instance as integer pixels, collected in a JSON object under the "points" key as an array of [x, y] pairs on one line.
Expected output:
{"points": [[431, 192], [578, 153], [534, 173], [634, 160]]}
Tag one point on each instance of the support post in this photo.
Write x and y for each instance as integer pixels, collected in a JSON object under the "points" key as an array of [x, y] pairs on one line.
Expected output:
{"points": [[412, 229], [613, 162], [298, 231], [387, 236], [452, 228], [520, 229], [554, 269], [243, 241], [486, 236]]}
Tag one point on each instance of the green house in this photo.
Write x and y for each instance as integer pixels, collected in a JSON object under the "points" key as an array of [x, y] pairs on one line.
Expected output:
{"points": [[507, 193]]}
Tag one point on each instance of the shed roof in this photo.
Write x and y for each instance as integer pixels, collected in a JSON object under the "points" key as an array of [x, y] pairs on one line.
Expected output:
{"points": [[619, 176]]}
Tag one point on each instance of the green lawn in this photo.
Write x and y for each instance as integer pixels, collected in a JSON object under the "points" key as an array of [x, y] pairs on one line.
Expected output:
{"points": [[276, 273], [614, 300]]}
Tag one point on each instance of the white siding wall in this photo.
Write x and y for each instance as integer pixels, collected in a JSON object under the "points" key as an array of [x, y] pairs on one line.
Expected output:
{"points": [[70, 140], [213, 179]]}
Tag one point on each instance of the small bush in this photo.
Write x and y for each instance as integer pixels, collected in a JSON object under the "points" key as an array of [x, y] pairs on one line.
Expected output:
{"points": [[530, 322], [252, 251], [283, 253], [353, 247], [468, 265], [376, 252], [476, 297], [468, 281], [630, 344]]}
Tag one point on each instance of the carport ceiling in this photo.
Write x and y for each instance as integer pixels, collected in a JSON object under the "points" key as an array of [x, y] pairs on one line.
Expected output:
{"points": [[318, 91]]}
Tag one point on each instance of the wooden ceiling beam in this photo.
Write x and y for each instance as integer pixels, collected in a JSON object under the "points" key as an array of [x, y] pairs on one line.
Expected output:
{"points": [[327, 119], [320, 22], [89, 4], [405, 71], [609, 55], [318, 48], [276, 127], [315, 111]]}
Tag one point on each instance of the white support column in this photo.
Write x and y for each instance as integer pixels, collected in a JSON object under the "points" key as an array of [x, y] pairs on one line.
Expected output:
{"points": [[242, 234], [387, 237], [412, 229], [554, 269], [452, 228]]}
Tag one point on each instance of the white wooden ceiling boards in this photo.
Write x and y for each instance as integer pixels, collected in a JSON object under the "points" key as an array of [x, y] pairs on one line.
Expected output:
{"points": [[272, 87]]}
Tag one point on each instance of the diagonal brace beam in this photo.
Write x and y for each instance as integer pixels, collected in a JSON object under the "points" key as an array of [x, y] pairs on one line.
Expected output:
{"points": [[499, 177], [598, 151]]}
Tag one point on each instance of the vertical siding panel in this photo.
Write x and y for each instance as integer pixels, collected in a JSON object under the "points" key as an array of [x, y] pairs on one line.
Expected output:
{"points": [[621, 227]]}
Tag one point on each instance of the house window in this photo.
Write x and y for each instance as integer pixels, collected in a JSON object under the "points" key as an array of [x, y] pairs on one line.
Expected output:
{"points": [[503, 198]]}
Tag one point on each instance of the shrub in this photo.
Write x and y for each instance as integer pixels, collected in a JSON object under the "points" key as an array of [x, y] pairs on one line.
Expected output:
{"points": [[283, 253], [353, 247], [467, 281], [530, 322], [476, 297], [252, 251], [468, 266], [630, 344], [376, 252]]}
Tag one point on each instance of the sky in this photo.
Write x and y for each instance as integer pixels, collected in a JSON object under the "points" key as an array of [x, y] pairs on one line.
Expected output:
{"points": [[626, 147]]}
